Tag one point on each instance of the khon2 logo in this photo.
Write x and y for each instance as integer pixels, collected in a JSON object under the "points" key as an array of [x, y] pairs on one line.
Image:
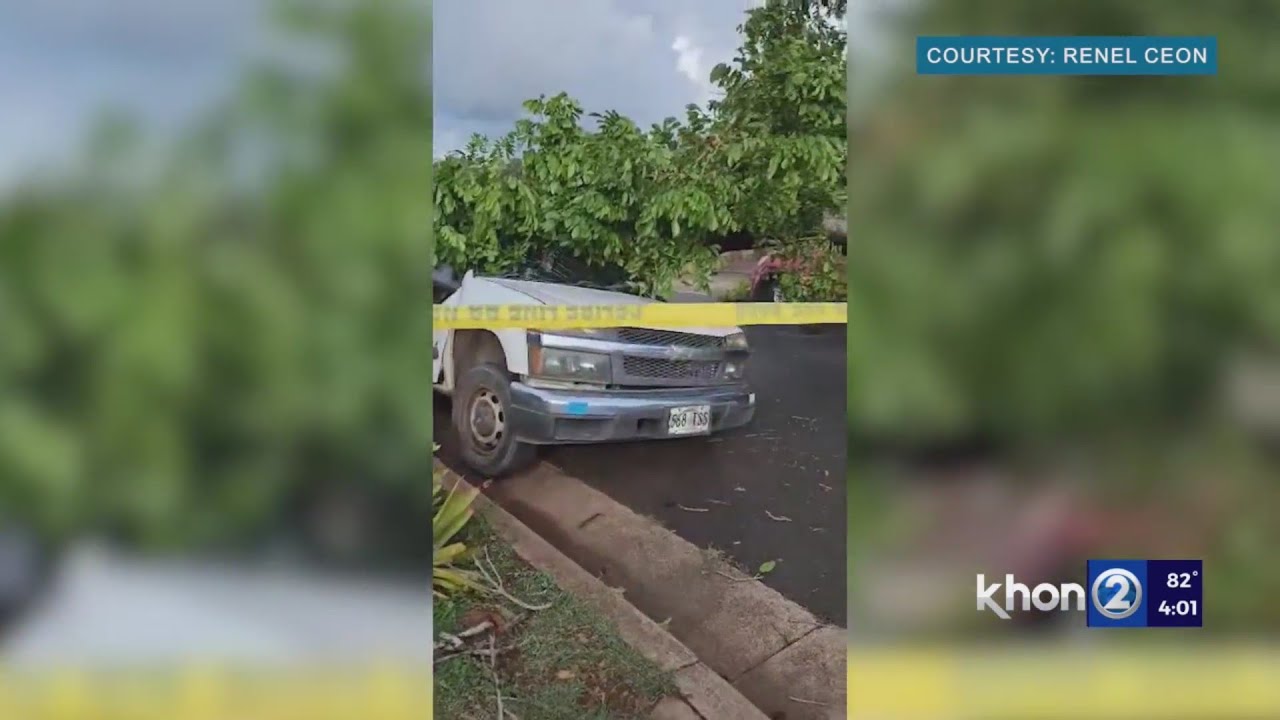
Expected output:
{"points": [[1117, 594]]}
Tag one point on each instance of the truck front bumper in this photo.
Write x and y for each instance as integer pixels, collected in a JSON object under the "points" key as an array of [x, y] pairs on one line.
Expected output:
{"points": [[543, 416]]}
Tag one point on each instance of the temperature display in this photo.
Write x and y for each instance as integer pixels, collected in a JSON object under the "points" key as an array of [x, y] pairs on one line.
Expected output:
{"points": [[1177, 593]]}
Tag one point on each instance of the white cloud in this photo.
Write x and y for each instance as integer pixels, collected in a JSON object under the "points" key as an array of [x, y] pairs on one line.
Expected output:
{"points": [[690, 64], [644, 58]]}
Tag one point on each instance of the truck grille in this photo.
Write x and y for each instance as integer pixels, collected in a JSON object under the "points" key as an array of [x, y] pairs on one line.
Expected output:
{"points": [[645, 336], [656, 368]]}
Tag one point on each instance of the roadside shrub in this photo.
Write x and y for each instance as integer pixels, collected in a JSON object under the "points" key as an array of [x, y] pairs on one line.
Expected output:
{"points": [[451, 511], [814, 270], [739, 293]]}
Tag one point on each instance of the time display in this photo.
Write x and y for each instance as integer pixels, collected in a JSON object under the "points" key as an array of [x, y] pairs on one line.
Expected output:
{"points": [[1179, 608], [1177, 593]]}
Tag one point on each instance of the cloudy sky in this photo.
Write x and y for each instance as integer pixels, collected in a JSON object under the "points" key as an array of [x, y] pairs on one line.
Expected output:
{"points": [[63, 61], [644, 58]]}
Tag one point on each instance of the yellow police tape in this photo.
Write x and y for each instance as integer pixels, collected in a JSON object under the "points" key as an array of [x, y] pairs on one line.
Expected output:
{"points": [[674, 315], [208, 693], [1177, 680]]}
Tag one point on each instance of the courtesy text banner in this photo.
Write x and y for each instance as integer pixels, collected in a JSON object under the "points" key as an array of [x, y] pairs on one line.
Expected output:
{"points": [[1083, 55]]}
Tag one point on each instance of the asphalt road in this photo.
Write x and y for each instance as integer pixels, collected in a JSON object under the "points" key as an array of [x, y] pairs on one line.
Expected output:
{"points": [[773, 490]]}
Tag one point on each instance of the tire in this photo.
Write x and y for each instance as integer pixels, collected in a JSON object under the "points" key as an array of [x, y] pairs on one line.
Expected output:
{"points": [[487, 445]]}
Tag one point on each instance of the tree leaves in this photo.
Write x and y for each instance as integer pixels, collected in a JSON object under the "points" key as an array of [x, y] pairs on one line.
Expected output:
{"points": [[1040, 263], [191, 346], [652, 201]]}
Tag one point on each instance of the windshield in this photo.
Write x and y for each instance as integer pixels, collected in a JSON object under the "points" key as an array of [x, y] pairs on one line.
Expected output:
{"points": [[564, 269]]}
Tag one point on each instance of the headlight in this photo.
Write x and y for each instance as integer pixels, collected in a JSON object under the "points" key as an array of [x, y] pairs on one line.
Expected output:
{"points": [[736, 341], [569, 365], [734, 369]]}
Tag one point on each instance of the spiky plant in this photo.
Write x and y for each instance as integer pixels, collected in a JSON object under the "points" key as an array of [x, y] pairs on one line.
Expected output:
{"points": [[453, 510]]}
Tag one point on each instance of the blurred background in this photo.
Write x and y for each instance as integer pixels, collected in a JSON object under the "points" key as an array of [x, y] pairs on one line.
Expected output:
{"points": [[1064, 323], [214, 405]]}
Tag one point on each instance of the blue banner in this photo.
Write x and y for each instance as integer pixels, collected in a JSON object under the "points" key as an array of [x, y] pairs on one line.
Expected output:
{"points": [[1097, 55]]}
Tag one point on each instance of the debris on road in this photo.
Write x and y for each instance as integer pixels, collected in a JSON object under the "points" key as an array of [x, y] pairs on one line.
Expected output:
{"points": [[744, 578]]}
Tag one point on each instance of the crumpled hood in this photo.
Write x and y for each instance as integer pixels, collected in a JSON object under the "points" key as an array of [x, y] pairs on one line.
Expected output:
{"points": [[553, 294]]}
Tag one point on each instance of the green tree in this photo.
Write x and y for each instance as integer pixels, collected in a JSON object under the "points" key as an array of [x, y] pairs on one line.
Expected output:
{"points": [[1056, 256], [768, 158], [780, 122], [620, 196], [241, 322]]}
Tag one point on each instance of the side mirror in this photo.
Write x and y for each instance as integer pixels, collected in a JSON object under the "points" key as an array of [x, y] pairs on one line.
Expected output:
{"points": [[445, 278]]}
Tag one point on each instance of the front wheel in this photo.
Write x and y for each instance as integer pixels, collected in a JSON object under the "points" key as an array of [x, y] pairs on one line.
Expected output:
{"points": [[481, 418]]}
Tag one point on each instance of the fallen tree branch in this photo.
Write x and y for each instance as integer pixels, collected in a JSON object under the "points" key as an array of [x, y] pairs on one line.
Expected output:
{"points": [[476, 652], [737, 579], [495, 584], [493, 669], [457, 641]]}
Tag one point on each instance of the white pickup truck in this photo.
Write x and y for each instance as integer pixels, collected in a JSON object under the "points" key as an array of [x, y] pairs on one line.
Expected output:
{"points": [[515, 389]]}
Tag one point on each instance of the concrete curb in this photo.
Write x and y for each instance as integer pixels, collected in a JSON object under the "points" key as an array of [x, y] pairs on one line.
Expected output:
{"points": [[704, 694], [782, 658]]}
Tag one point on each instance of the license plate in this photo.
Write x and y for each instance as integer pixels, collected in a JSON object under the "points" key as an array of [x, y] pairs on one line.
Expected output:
{"points": [[692, 420]]}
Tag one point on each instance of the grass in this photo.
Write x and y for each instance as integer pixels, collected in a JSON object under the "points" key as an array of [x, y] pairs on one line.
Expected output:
{"points": [[569, 663], [739, 293]]}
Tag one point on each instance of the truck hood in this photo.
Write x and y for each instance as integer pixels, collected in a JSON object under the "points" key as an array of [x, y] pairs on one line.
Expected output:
{"points": [[554, 294]]}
